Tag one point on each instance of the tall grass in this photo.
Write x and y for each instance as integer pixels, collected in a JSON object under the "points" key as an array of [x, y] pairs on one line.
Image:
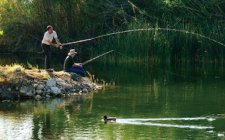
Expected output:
{"points": [[24, 21]]}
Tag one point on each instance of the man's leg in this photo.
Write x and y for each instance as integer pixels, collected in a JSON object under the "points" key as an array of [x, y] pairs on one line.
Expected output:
{"points": [[47, 52], [78, 70]]}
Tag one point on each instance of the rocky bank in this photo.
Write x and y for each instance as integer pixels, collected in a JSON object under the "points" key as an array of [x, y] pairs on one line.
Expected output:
{"points": [[17, 82]]}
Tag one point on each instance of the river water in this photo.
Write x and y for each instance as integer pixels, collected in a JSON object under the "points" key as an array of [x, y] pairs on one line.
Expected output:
{"points": [[149, 101]]}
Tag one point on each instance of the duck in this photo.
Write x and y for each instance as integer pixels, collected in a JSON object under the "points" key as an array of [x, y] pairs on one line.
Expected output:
{"points": [[109, 119]]}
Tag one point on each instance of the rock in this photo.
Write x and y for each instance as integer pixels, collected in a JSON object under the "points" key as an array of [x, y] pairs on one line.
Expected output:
{"points": [[8, 96], [74, 94], [65, 85], [39, 91], [27, 91], [60, 95], [85, 90], [47, 96], [38, 97], [18, 69], [35, 85], [51, 82], [55, 90], [75, 76], [9, 89], [40, 87]]}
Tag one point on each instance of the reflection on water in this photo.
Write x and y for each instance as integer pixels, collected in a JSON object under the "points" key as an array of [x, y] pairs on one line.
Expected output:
{"points": [[150, 102], [13, 127]]}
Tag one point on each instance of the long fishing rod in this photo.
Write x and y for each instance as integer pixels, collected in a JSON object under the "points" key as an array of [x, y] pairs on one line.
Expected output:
{"points": [[92, 59], [145, 29]]}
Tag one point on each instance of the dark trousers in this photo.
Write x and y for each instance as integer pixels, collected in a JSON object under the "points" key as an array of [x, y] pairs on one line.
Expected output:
{"points": [[47, 52], [77, 70]]}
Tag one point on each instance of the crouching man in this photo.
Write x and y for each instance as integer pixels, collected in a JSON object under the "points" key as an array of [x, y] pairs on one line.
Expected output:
{"points": [[70, 66]]}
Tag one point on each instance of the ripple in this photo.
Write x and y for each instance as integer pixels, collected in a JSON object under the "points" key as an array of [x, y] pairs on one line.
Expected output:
{"points": [[220, 135], [150, 122], [171, 119]]}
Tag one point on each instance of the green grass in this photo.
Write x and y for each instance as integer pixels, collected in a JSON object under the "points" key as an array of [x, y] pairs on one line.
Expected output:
{"points": [[78, 19]]}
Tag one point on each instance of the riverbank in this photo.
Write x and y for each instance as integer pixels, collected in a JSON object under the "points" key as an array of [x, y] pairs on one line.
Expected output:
{"points": [[16, 82]]}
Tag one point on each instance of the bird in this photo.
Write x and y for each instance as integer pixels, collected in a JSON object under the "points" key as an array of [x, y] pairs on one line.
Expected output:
{"points": [[109, 119]]}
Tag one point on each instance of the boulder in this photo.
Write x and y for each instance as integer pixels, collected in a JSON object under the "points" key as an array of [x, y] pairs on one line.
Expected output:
{"points": [[38, 97], [55, 90], [38, 91], [27, 91], [40, 87], [51, 82]]}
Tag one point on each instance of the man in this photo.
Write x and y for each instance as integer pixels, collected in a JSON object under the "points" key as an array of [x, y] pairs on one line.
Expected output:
{"points": [[70, 66], [47, 43]]}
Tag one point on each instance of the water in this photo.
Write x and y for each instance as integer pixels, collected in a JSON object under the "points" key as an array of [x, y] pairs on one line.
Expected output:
{"points": [[150, 102]]}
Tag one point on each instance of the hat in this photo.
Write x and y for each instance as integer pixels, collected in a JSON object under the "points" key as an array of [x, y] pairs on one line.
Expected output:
{"points": [[72, 51], [49, 26]]}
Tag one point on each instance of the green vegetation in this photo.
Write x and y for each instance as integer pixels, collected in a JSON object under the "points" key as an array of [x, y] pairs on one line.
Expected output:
{"points": [[23, 23]]}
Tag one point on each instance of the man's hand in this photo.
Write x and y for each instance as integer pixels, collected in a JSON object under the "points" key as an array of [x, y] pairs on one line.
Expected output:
{"points": [[59, 46], [77, 65]]}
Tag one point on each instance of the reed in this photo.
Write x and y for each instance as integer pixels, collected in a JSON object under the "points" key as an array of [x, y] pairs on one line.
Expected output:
{"points": [[79, 19]]}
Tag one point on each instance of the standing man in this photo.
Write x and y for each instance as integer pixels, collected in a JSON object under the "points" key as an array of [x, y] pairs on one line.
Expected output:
{"points": [[47, 43], [70, 66]]}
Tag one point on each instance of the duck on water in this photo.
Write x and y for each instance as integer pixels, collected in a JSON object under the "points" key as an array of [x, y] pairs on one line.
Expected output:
{"points": [[109, 119]]}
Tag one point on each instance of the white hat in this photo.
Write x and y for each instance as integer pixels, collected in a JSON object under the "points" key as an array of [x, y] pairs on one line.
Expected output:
{"points": [[72, 51]]}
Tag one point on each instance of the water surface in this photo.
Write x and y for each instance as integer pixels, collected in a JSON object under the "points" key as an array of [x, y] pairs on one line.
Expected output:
{"points": [[149, 101]]}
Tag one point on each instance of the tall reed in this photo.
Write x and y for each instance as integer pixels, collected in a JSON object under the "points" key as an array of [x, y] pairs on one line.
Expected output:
{"points": [[23, 23]]}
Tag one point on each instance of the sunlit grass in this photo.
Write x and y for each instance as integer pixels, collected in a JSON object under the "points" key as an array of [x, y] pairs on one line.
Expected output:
{"points": [[11, 72], [8, 72], [12, 68], [2, 79], [1, 33]]}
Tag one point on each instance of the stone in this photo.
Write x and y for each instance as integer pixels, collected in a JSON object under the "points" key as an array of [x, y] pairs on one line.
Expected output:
{"points": [[18, 69], [55, 90], [40, 87], [26, 91], [39, 91], [47, 96], [9, 89], [51, 82], [65, 85], [85, 90], [35, 85], [38, 97]]}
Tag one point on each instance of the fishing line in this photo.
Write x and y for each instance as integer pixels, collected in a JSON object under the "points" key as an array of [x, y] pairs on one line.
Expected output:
{"points": [[146, 29]]}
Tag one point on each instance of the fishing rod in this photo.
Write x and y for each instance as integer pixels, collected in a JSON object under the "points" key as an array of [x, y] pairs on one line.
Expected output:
{"points": [[146, 29], [92, 59]]}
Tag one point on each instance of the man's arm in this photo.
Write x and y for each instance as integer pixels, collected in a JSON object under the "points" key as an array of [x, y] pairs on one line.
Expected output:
{"points": [[58, 45], [77, 65]]}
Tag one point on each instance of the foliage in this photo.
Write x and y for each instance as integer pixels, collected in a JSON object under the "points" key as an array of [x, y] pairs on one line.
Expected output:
{"points": [[23, 23]]}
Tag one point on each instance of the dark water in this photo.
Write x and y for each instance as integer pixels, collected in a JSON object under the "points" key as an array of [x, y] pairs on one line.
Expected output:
{"points": [[149, 101]]}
